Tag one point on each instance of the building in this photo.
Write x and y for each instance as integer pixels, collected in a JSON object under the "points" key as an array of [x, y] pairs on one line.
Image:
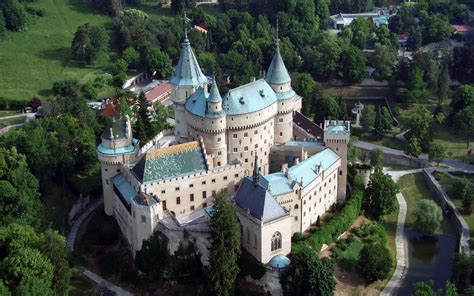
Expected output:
{"points": [[160, 93], [342, 20], [282, 170]]}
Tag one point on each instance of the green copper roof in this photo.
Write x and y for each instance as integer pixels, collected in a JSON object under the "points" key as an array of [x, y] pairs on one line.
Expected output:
{"points": [[248, 98], [197, 103], [305, 171], [170, 162], [188, 72], [277, 73]]}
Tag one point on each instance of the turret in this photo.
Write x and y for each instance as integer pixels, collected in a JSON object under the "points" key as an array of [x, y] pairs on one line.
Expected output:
{"points": [[336, 136], [288, 101], [187, 78], [116, 149]]}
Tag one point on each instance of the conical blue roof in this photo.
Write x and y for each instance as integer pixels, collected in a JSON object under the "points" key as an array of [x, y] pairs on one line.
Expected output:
{"points": [[277, 73], [214, 94], [188, 72]]}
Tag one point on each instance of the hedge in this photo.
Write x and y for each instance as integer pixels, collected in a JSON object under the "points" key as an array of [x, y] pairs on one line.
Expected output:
{"points": [[334, 228]]}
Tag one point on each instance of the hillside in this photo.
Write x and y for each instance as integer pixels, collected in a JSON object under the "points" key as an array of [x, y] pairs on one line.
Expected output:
{"points": [[31, 61]]}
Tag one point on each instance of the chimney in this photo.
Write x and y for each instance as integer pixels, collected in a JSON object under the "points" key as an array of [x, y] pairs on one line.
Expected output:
{"points": [[297, 160], [253, 79]]}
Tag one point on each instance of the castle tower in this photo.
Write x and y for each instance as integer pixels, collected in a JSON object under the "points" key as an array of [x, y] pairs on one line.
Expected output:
{"points": [[336, 137], [187, 78], [118, 147], [288, 102], [215, 124]]}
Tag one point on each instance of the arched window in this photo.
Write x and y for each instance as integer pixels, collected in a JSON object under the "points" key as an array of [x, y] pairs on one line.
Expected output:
{"points": [[276, 241], [296, 206]]}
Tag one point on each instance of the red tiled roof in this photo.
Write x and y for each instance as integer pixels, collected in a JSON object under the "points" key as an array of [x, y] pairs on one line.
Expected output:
{"points": [[200, 29], [110, 109], [462, 28], [161, 92], [308, 125]]}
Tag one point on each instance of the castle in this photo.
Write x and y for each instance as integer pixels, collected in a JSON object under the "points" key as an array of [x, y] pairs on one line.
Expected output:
{"points": [[281, 170]]}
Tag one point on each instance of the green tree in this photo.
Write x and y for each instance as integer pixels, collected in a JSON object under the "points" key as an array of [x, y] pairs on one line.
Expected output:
{"points": [[14, 14], [225, 246], [383, 61], [367, 119], [326, 108], [159, 62], [425, 289], [463, 98], [443, 83], [4, 290], [437, 28], [414, 147], [131, 56], [464, 190], [308, 275], [428, 216], [305, 86], [419, 123], [154, 255], [32, 285], [353, 65], [464, 120], [436, 152], [380, 195], [376, 158], [375, 261], [416, 86], [186, 262], [463, 266]]}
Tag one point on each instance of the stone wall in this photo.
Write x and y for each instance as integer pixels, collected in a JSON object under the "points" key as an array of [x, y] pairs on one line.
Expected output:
{"points": [[390, 157]]}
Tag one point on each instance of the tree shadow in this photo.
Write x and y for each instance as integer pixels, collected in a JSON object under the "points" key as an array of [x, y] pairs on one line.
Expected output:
{"points": [[61, 55]]}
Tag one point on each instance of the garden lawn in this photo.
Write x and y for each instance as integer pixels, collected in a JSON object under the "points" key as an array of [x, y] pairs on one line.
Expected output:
{"points": [[31, 61], [13, 120], [390, 225], [414, 188], [7, 113], [455, 143]]}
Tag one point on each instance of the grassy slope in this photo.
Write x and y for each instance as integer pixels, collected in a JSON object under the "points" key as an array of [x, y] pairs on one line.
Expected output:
{"points": [[448, 182], [31, 61], [414, 188]]}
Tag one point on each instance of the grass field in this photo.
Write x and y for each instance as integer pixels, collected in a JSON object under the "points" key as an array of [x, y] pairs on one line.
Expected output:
{"points": [[7, 113], [31, 61], [414, 188], [455, 143], [13, 120]]}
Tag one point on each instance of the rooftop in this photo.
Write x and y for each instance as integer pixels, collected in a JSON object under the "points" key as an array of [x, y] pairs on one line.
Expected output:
{"points": [[125, 190], [305, 172], [170, 162], [277, 72], [248, 98], [158, 92], [336, 127], [188, 72]]}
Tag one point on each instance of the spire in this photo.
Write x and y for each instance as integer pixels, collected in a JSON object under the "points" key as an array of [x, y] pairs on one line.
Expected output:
{"points": [[256, 174], [214, 94], [277, 72], [187, 72]]}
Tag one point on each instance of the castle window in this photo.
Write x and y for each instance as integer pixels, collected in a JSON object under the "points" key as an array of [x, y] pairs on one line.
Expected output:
{"points": [[246, 134], [337, 148], [191, 197], [213, 180], [191, 185], [296, 206], [204, 205], [192, 208], [234, 136], [214, 193], [107, 181], [163, 191], [255, 132], [235, 150], [225, 177], [296, 218], [218, 163], [236, 175], [246, 148], [276, 241], [280, 120], [178, 200], [256, 145], [304, 202], [246, 160], [340, 173], [203, 182], [281, 134], [204, 194], [219, 152], [248, 236], [177, 188], [106, 170], [219, 140], [143, 219]]}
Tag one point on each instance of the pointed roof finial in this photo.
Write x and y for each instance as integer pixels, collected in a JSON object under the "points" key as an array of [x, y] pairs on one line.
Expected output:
{"points": [[255, 171], [186, 40], [278, 33]]}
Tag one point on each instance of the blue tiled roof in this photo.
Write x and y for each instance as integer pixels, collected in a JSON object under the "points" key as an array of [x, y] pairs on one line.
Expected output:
{"points": [[188, 72], [277, 73], [248, 98], [257, 200], [122, 150], [337, 128], [304, 143], [285, 95], [304, 171], [197, 103], [126, 190]]}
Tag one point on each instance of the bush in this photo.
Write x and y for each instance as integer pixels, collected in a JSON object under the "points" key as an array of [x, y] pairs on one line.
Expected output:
{"points": [[6, 104], [101, 230], [375, 262], [248, 265], [297, 236]]}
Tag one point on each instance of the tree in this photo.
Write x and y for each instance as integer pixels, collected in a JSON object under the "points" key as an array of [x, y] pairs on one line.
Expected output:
{"points": [[154, 255], [380, 195], [88, 42], [326, 108], [463, 98], [425, 289], [416, 86], [428, 216], [3, 289], [419, 123], [186, 262], [437, 28], [225, 246], [14, 14], [308, 275], [375, 261], [414, 147], [177, 6], [131, 56], [383, 61], [465, 121], [464, 190], [32, 285], [305, 86], [367, 119], [376, 158], [353, 65], [463, 266], [443, 83], [436, 152], [463, 63]]}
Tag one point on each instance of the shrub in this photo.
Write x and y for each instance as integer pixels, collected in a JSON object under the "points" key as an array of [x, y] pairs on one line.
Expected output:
{"points": [[297, 236], [375, 262], [248, 265]]}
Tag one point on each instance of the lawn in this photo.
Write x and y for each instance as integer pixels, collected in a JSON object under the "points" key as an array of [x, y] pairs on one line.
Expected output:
{"points": [[455, 143], [31, 61], [390, 225], [414, 188], [7, 113], [353, 91], [13, 120]]}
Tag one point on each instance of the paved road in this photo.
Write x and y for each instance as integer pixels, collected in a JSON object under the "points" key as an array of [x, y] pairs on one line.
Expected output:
{"points": [[71, 238], [400, 239], [104, 283]]}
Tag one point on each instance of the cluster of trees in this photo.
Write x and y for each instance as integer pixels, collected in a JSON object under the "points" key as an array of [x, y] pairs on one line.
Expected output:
{"points": [[380, 195], [463, 271], [462, 114], [14, 15], [376, 119], [88, 42], [428, 289]]}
